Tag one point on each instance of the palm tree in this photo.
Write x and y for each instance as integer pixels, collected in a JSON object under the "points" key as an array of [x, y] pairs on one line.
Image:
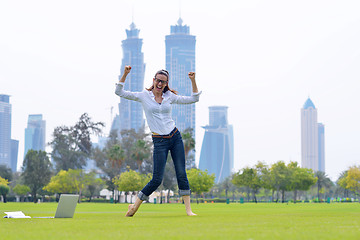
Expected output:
{"points": [[189, 145], [322, 181], [116, 155], [140, 151], [226, 185]]}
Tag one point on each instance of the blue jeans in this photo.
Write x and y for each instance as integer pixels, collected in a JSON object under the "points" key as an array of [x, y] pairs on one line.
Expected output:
{"points": [[162, 145]]}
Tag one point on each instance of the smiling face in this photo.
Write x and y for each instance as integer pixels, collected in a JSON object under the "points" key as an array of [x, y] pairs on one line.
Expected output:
{"points": [[160, 82]]}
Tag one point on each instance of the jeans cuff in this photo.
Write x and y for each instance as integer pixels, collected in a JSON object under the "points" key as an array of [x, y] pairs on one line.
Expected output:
{"points": [[184, 192], [142, 196]]}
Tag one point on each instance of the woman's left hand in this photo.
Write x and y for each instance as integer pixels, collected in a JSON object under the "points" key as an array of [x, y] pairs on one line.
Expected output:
{"points": [[192, 76]]}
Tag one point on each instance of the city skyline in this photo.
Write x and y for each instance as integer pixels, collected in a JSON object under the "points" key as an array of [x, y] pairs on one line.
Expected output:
{"points": [[259, 58]]}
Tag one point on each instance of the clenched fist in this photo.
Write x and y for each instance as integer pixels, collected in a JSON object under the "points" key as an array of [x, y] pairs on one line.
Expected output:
{"points": [[192, 76], [127, 69]]}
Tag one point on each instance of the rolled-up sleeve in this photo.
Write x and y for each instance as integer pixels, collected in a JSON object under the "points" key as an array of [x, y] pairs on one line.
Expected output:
{"points": [[126, 94], [178, 99]]}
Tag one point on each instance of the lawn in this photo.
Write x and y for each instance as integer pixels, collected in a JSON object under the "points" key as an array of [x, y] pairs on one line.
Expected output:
{"points": [[168, 221]]}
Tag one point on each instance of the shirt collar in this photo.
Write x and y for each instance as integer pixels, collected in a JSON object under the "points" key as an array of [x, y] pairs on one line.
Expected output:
{"points": [[165, 95]]}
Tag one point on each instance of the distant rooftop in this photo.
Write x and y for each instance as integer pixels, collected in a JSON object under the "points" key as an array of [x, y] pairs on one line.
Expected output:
{"points": [[133, 32], [180, 28], [309, 104]]}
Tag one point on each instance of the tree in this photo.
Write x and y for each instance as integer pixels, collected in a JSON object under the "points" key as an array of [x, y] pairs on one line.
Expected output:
{"points": [[128, 140], [60, 183], [72, 146], [341, 182], [279, 179], [79, 180], [72, 181], [110, 159], [93, 184], [140, 151], [116, 156], [301, 178], [129, 181], [21, 190], [4, 189], [189, 145], [36, 171], [200, 181], [4, 181], [353, 179], [226, 185], [5, 172], [248, 178], [323, 181]]}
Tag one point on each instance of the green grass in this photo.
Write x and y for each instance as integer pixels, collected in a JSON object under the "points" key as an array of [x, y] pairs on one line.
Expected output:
{"points": [[168, 221]]}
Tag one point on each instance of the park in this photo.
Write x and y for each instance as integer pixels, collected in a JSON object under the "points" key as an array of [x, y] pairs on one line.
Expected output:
{"points": [[168, 221]]}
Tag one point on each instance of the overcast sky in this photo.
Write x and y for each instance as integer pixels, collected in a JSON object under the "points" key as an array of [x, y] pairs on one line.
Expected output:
{"points": [[262, 59]]}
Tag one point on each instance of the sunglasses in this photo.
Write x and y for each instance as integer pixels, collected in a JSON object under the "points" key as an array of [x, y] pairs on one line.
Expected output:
{"points": [[160, 81]]}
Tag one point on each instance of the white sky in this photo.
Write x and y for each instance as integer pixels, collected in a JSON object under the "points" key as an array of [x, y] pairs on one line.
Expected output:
{"points": [[260, 58]]}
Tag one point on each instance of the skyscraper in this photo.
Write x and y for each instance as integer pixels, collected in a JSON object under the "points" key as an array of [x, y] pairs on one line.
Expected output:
{"points": [[131, 112], [8, 147], [217, 151], [5, 130], [180, 60], [321, 147], [35, 133], [312, 138], [14, 154]]}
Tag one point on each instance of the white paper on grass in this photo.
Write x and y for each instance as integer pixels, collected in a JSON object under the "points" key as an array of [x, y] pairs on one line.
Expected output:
{"points": [[17, 214]]}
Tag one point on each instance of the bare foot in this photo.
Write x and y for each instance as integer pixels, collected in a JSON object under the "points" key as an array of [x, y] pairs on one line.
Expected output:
{"points": [[131, 211], [191, 214]]}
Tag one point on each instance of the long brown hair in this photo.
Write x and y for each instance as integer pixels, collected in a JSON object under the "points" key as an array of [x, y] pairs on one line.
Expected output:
{"points": [[165, 73]]}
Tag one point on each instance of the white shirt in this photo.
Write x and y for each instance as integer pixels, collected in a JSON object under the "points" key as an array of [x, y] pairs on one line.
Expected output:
{"points": [[158, 116]]}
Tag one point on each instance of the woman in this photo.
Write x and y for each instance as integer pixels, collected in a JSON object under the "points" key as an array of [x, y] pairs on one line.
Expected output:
{"points": [[156, 102]]}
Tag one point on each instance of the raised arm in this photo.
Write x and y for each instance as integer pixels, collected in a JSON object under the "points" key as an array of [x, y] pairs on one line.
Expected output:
{"points": [[120, 87], [126, 72], [193, 82], [188, 99]]}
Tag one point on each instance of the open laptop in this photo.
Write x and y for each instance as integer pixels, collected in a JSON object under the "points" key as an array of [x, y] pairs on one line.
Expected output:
{"points": [[66, 206]]}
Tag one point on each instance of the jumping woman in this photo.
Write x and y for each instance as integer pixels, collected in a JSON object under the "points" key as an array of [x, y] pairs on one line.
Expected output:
{"points": [[156, 102]]}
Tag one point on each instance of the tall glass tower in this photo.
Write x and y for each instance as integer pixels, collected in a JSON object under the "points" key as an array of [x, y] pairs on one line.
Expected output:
{"points": [[180, 60], [131, 112], [217, 151], [321, 146], [312, 138], [35, 133], [8, 146], [5, 130]]}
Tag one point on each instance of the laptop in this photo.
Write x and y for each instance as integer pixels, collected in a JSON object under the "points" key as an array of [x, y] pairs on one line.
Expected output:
{"points": [[66, 206]]}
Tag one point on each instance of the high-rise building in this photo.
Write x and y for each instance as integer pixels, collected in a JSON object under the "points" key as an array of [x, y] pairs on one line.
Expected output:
{"points": [[131, 112], [8, 147], [217, 151], [14, 154], [5, 130], [180, 60], [312, 138], [35, 133], [321, 147]]}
